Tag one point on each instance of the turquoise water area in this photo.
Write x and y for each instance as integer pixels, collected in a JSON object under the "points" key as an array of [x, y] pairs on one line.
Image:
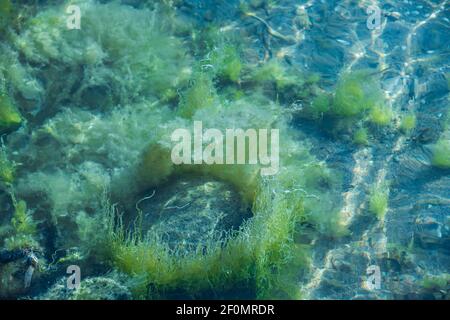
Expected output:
{"points": [[337, 186]]}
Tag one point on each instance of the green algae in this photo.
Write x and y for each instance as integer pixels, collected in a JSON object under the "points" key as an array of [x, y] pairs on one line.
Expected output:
{"points": [[107, 287], [441, 154], [356, 92], [227, 63], [248, 259], [357, 100], [201, 94], [7, 168], [126, 148], [260, 254], [360, 137], [380, 116], [6, 9], [275, 72], [23, 232], [436, 283], [124, 60], [140, 258], [10, 117], [408, 123], [378, 200], [320, 105]]}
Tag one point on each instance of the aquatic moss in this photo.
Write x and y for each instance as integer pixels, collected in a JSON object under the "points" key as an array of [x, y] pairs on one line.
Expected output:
{"points": [[436, 283], [88, 146], [7, 168], [313, 78], [23, 228], [18, 77], [21, 220], [66, 192], [156, 163], [254, 257], [227, 63], [356, 92], [6, 9], [349, 99], [262, 254], [441, 154], [198, 275], [77, 151], [320, 105], [408, 123], [126, 52], [378, 200], [360, 137], [275, 72], [86, 141], [10, 117], [84, 136], [318, 176], [380, 115], [207, 39], [201, 94]]}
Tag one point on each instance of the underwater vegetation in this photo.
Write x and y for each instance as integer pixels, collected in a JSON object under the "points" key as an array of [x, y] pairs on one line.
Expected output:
{"points": [[261, 252], [437, 283], [228, 63], [201, 94], [356, 93], [360, 137], [5, 13], [408, 123], [441, 154], [89, 159], [7, 168], [274, 71], [87, 177], [101, 57], [10, 117], [378, 200], [320, 105], [381, 116], [23, 228], [356, 106]]}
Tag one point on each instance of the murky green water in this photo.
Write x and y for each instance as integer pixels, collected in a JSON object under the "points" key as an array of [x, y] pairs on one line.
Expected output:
{"points": [[224, 149]]}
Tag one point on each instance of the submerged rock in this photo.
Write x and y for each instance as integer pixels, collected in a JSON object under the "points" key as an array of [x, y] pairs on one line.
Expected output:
{"points": [[432, 233], [191, 212], [97, 288], [18, 271]]}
